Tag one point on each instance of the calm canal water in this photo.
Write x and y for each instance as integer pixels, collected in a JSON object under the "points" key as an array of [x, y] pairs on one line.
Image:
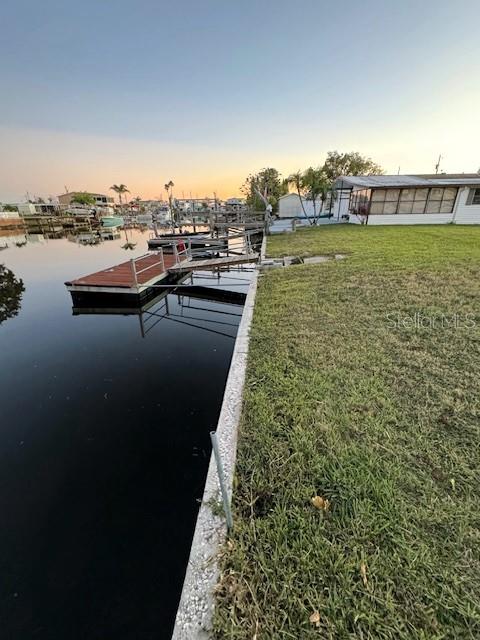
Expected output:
{"points": [[104, 447]]}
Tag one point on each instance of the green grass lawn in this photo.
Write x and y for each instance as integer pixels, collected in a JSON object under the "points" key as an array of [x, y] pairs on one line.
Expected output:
{"points": [[363, 387]]}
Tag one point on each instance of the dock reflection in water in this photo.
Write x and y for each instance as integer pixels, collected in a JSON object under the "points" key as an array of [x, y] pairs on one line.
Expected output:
{"points": [[182, 306]]}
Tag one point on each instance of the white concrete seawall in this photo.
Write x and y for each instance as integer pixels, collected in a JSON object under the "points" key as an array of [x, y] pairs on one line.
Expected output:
{"points": [[194, 615]]}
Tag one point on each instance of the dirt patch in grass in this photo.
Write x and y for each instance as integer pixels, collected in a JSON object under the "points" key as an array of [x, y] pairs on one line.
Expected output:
{"points": [[363, 388]]}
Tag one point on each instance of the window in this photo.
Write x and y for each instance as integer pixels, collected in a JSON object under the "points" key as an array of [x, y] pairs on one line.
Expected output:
{"points": [[385, 201], [474, 196], [414, 200], [359, 201], [441, 200], [449, 195]]}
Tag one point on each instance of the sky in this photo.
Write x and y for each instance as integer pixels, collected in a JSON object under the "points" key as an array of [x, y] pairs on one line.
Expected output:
{"points": [[204, 92]]}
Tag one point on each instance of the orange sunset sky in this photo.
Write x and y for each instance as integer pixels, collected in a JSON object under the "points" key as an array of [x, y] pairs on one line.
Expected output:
{"points": [[205, 93]]}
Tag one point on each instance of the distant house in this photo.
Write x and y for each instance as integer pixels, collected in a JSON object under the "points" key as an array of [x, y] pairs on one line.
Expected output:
{"points": [[290, 206], [409, 199], [37, 208], [234, 204], [194, 205], [10, 219], [100, 198]]}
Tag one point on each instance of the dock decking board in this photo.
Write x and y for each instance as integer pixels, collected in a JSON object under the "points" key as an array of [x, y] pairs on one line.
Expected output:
{"points": [[120, 278], [121, 275]]}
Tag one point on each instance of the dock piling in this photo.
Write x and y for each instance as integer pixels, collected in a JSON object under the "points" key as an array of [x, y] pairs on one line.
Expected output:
{"points": [[134, 271]]}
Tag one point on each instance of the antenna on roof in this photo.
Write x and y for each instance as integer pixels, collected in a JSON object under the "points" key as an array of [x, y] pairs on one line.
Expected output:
{"points": [[66, 188], [398, 172], [437, 166]]}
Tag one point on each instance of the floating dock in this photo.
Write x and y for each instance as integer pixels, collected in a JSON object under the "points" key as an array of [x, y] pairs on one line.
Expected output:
{"points": [[138, 278], [135, 281], [193, 240], [133, 276]]}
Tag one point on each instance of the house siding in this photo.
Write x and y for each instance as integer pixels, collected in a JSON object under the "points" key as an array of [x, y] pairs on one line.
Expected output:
{"points": [[462, 214], [289, 206], [466, 213], [408, 218]]}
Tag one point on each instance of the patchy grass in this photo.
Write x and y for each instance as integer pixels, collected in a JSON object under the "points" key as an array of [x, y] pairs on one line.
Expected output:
{"points": [[350, 398]]}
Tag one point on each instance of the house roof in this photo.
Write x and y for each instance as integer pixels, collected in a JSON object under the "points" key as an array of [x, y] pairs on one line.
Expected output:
{"points": [[90, 193], [416, 180], [289, 195]]}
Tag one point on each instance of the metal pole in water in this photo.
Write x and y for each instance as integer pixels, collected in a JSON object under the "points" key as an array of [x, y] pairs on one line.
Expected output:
{"points": [[221, 478]]}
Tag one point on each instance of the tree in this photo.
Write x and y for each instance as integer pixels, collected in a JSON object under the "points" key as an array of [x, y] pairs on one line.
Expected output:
{"points": [[83, 198], [264, 188], [349, 164], [316, 185], [11, 289], [296, 180], [10, 208], [129, 244], [135, 202], [169, 189], [119, 190]]}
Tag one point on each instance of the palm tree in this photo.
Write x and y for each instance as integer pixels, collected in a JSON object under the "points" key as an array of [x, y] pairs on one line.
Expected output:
{"points": [[296, 179], [119, 189], [316, 186], [168, 188], [134, 202], [129, 245]]}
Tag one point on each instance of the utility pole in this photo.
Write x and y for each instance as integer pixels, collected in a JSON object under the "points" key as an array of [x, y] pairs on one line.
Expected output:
{"points": [[437, 166]]}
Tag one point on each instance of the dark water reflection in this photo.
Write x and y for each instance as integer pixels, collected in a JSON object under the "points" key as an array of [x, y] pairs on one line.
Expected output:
{"points": [[104, 449], [11, 290]]}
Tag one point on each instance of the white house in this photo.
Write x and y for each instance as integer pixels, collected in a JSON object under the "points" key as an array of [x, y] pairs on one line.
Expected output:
{"points": [[412, 199], [37, 208], [234, 204], [290, 206], [99, 199]]}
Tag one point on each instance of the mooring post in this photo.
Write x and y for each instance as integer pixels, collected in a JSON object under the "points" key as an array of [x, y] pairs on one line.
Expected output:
{"points": [[134, 272], [221, 479]]}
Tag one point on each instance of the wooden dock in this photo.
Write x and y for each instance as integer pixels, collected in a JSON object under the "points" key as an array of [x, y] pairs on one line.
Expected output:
{"points": [[139, 276], [133, 276], [213, 263]]}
